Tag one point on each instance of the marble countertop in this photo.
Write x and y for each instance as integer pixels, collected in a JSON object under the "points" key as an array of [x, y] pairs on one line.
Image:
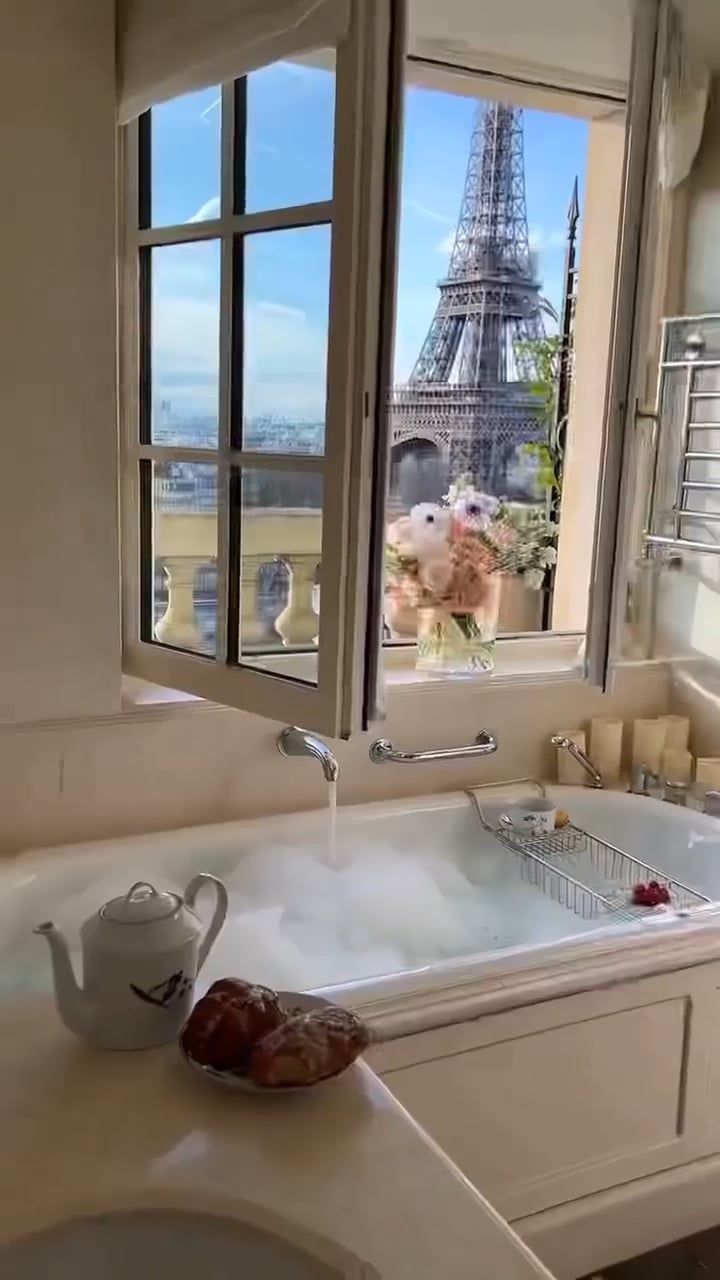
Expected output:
{"points": [[86, 1131]]}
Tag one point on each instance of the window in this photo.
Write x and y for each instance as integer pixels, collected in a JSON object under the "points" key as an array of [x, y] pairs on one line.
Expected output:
{"points": [[260, 256], [509, 225], [253, 299]]}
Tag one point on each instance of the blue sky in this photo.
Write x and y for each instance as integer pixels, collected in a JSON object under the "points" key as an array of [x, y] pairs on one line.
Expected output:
{"points": [[289, 161]]}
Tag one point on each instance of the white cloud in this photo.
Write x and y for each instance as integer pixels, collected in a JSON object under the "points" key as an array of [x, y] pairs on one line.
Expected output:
{"points": [[285, 358], [210, 209], [213, 106], [185, 354], [285, 361], [445, 245], [433, 215], [546, 238], [279, 309]]}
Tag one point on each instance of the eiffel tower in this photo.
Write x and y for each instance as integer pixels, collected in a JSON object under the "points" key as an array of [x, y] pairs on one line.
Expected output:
{"points": [[470, 392]]}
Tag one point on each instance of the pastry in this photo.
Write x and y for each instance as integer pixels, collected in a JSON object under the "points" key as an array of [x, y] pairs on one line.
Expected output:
{"points": [[224, 1025], [307, 1048]]}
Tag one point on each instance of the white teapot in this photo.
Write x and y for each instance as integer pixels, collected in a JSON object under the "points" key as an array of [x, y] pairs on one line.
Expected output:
{"points": [[141, 954]]}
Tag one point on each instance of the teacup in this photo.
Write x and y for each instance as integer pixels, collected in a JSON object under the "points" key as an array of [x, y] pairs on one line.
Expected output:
{"points": [[534, 814]]}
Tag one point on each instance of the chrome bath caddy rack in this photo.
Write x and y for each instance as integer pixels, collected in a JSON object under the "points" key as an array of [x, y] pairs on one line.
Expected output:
{"points": [[578, 870]]}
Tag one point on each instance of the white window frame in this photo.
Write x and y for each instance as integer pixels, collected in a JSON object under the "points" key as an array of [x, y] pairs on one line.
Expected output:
{"points": [[369, 65], [337, 706], [633, 321]]}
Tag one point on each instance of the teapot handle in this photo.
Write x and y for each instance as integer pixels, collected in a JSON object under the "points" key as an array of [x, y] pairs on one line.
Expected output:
{"points": [[219, 914]]}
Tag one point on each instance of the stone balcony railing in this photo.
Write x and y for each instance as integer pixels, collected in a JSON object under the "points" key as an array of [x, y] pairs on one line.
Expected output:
{"points": [[186, 543]]}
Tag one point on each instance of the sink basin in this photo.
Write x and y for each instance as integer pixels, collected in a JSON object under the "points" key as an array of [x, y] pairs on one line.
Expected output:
{"points": [[147, 1244]]}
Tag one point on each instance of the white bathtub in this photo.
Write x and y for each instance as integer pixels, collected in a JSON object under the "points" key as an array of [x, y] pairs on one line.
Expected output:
{"points": [[420, 895]]}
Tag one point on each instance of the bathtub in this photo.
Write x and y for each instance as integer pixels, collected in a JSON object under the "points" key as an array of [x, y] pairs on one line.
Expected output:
{"points": [[416, 898], [568, 1063]]}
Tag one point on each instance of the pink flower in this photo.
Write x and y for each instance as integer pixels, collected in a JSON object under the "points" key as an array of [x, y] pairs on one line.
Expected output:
{"points": [[435, 574], [472, 564]]}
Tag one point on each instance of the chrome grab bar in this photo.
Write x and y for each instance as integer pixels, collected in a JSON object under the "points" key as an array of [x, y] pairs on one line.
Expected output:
{"points": [[382, 751]]}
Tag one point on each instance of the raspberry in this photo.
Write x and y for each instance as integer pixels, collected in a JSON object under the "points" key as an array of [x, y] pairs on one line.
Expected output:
{"points": [[652, 894]]}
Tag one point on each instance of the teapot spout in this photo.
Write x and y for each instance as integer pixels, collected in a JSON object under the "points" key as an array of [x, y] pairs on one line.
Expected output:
{"points": [[73, 1004]]}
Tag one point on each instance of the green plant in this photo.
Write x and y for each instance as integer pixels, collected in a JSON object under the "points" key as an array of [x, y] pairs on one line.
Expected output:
{"points": [[545, 354]]}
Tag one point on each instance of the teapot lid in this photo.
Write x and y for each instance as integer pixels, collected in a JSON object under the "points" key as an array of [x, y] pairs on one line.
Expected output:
{"points": [[140, 905]]}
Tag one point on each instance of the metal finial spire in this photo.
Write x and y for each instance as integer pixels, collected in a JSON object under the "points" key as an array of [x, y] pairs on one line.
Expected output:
{"points": [[573, 213]]}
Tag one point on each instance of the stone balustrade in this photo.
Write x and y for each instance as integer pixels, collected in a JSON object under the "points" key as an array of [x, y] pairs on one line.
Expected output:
{"points": [[186, 544]]}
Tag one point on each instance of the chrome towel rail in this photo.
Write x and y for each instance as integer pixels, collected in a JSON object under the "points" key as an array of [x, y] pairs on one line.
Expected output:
{"points": [[685, 344], [681, 544], [382, 751]]}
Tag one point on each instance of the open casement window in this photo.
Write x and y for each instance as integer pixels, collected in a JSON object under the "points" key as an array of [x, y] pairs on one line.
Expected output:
{"points": [[256, 356], [646, 254]]}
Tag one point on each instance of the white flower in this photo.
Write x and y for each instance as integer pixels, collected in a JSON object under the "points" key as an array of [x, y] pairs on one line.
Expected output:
{"points": [[430, 525], [474, 512], [549, 555], [534, 579]]}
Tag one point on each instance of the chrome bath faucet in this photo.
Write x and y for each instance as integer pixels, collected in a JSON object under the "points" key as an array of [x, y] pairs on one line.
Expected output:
{"points": [[296, 742]]}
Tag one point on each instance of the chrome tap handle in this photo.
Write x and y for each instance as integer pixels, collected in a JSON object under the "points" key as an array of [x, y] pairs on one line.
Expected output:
{"points": [[382, 751]]}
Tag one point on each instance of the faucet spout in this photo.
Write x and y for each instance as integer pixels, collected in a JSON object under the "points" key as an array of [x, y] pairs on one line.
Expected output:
{"points": [[296, 742], [577, 753]]}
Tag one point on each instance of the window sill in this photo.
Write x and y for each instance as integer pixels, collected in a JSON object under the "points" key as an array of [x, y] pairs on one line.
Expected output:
{"points": [[522, 660]]}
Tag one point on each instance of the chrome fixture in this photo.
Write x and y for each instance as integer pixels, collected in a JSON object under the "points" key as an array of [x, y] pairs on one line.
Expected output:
{"points": [[382, 751], [296, 742], [689, 365], [643, 782], [711, 804], [567, 744]]}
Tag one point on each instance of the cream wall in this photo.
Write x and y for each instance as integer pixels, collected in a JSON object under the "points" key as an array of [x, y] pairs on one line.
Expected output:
{"points": [[687, 610], [79, 768], [688, 604], [59, 637], [159, 769], [702, 270], [600, 220]]}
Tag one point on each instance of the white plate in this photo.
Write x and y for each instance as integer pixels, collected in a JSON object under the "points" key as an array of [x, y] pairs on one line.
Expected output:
{"points": [[290, 1002]]}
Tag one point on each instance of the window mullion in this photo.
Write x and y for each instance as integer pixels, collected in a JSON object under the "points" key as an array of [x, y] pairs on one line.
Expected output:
{"points": [[224, 515], [309, 462], [305, 215]]}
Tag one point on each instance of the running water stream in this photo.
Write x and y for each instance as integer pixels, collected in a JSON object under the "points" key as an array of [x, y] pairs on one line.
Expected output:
{"points": [[332, 823]]}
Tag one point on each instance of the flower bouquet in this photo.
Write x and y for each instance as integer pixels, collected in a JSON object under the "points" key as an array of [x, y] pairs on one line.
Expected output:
{"points": [[444, 568]]}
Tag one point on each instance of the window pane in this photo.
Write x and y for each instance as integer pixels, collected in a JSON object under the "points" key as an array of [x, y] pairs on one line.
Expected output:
{"points": [[185, 335], [185, 159], [496, 369], [184, 555], [290, 128], [287, 290], [280, 582]]}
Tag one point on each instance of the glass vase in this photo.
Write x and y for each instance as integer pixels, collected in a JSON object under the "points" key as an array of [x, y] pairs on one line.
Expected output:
{"points": [[454, 642]]}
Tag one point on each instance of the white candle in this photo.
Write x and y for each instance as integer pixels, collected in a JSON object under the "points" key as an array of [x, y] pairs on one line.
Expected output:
{"points": [[648, 743], [570, 773], [606, 746], [676, 764], [677, 731], [707, 772]]}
